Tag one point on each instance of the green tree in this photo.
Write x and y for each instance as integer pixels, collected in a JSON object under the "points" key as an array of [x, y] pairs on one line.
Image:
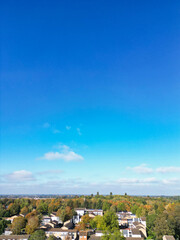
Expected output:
{"points": [[38, 235], [97, 222], [85, 222], [42, 207], [121, 207], [106, 206], [99, 204], [113, 208], [151, 219], [3, 225], [161, 227], [51, 237], [110, 222], [116, 235], [134, 209], [24, 210], [139, 212], [61, 213], [32, 225], [14, 209], [18, 225]]}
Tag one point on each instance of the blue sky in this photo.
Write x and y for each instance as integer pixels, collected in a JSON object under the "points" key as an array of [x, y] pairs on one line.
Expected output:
{"points": [[90, 97]]}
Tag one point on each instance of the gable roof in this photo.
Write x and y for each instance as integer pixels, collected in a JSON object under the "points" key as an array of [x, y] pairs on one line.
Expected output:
{"points": [[14, 237], [168, 237], [135, 231], [94, 237], [60, 230]]}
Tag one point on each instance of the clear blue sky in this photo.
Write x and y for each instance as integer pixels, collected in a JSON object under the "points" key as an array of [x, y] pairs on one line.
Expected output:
{"points": [[90, 97]]}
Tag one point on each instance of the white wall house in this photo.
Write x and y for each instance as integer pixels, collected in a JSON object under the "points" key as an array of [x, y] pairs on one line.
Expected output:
{"points": [[97, 212], [80, 211], [45, 220], [55, 218]]}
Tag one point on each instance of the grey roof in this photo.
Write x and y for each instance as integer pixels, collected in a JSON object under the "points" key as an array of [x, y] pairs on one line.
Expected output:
{"points": [[79, 209], [93, 237], [136, 231], [136, 223], [169, 237], [14, 237], [69, 225], [60, 230], [134, 238]]}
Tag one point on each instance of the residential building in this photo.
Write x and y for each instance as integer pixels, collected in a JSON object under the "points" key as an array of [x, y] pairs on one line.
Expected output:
{"points": [[60, 233], [14, 237], [168, 237]]}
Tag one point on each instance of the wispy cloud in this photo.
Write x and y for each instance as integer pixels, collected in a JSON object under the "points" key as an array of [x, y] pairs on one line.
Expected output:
{"points": [[79, 131], [136, 181], [66, 154], [141, 169], [50, 172], [133, 186], [68, 127], [46, 125], [55, 131], [21, 175], [170, 169]]}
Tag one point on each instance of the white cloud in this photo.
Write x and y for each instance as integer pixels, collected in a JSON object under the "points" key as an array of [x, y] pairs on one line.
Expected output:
{"points": [[135, 181], [171, 181], [133, 186], [66, 154], [49, 172], [79, 131], [170, 169], [46, 125], [56, 131], [21, 175], [141, 169], [68, 127]]}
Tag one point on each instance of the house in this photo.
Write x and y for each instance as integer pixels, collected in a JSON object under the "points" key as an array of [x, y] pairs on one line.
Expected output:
{"points": [[54, 217], [11, 219], [83, 235], [126, 219], [96, 212], [99, 233], [143, 221], [132, 238], [132, 232], [7, 231], [168, 237], [80, 211], [45, 220], [76, 219], [94, 237], [14, 237], [60, 233], [68, 225], [141, 227], [126, 232], [135, 233]]}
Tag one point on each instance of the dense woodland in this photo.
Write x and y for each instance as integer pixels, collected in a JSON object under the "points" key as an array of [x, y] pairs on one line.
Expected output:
{"points": [[162, 213]]}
